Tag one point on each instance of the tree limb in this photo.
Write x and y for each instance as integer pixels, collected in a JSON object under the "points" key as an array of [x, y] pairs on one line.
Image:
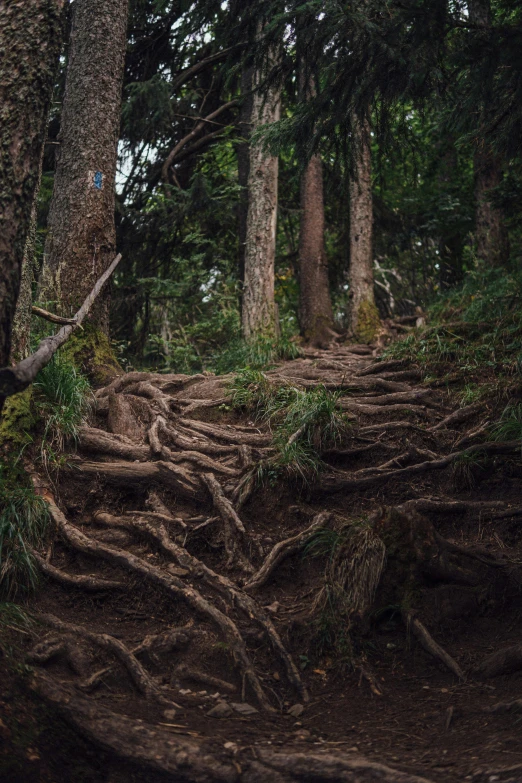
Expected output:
{"points": [[16, 379]]}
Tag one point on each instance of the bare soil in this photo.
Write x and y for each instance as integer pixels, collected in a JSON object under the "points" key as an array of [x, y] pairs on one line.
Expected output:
{"points": [[157, 501]]}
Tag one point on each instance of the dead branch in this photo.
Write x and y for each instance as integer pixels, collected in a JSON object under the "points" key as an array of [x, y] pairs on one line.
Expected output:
{"points": [[16, 379], [430, 645], [284, 549], [54, 319]]}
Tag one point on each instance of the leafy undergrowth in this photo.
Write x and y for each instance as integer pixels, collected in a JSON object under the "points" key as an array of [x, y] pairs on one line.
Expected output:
{"points": [[474, 336]]}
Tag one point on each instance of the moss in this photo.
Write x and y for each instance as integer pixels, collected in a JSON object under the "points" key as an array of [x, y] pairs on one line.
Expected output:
{"points": [[368, 322], [91, 352], [18, 419]]}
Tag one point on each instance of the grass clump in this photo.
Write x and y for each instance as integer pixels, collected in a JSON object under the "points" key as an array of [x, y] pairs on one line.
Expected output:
{"points": [[24, 521], [509, 426], [305, 423], [256, 354], [355, 559], [62, 398], [475, 332]]}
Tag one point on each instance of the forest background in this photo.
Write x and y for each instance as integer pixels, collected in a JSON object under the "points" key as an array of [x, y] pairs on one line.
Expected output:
{"points": [[438, 84]]}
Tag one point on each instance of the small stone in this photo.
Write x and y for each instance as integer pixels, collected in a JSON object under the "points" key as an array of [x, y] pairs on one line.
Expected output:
{"points": [[243, 708], [216, 695], [169, 714], [276, 676], [221, 710], [176, 570], [273, 607], [232, 746], [202, 693], [296, 711], [184, 691], [354, 749], [444, 690]]}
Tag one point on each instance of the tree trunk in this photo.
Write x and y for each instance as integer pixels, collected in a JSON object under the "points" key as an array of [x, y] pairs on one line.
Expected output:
{"points": [[315, 306], [30, 42], [364, 318], [491, 237], [243, 167], [258, 314], [82, 237]]}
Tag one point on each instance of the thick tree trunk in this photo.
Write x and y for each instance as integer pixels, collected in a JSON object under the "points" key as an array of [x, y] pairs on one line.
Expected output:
{"points": [[491, 237], [243, 167], [30, 42], [364, 318], [258, 314], [81, 239], [315, 306]]}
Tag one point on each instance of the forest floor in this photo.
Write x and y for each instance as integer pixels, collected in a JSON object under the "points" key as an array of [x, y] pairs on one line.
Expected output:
{"points": [[181, 641]]}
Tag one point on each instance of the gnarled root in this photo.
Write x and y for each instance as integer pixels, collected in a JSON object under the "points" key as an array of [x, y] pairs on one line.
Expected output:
{"points": [[174, 586], [84, 582]]}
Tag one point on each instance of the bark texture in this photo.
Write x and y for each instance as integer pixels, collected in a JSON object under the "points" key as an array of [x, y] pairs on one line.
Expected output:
{"points": [[364, 318], [315, 306], [491, 236], [30, 42], [258, 315], [243, 165], [81, 239]]}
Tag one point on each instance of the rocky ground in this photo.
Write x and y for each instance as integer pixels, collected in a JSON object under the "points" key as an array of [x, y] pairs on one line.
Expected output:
{"points": [[182, 625]]}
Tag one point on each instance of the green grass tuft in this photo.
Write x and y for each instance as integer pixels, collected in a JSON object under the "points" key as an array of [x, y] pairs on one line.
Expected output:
{"points": [[62, 397], [304, 423], [509, 426], [24, 521]]}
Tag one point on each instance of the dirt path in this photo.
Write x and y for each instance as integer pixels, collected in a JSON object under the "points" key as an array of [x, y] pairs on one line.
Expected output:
{"points": [[178, 612]]}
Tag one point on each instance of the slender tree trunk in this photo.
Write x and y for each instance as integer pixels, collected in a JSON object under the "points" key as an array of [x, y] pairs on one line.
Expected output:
{"points": [[30, 42], [364, 317], [491, 236], [82, 237], [243, 167], [315, 305], [259, 312], [22, 319]]}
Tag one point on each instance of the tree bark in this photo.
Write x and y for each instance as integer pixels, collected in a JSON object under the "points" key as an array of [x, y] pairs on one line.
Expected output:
{"points": [[364, 318], [30, 42], [243, 167], [315, 305], [491, 236], [82, 237], [258, 313]]}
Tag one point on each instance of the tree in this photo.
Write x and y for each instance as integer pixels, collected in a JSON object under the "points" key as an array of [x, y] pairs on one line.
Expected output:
{"points": [[364, 318], [30, 41], [491, 239], [315, 306], [258, 312], [81, 237]]}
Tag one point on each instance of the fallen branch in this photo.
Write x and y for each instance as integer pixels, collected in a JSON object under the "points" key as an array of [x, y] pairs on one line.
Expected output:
{"points": [[430, 645], [16, 379], [55, 319]]}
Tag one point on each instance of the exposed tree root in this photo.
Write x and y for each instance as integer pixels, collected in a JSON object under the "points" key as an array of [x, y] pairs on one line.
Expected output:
{"points": [[139, 676], [430, 645], [84, 582], [283, 549], [131, 473], [190, 760], [234, 528], [229, 435], [172, 585], [501, 662], [185, 672], [224, 586]]}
